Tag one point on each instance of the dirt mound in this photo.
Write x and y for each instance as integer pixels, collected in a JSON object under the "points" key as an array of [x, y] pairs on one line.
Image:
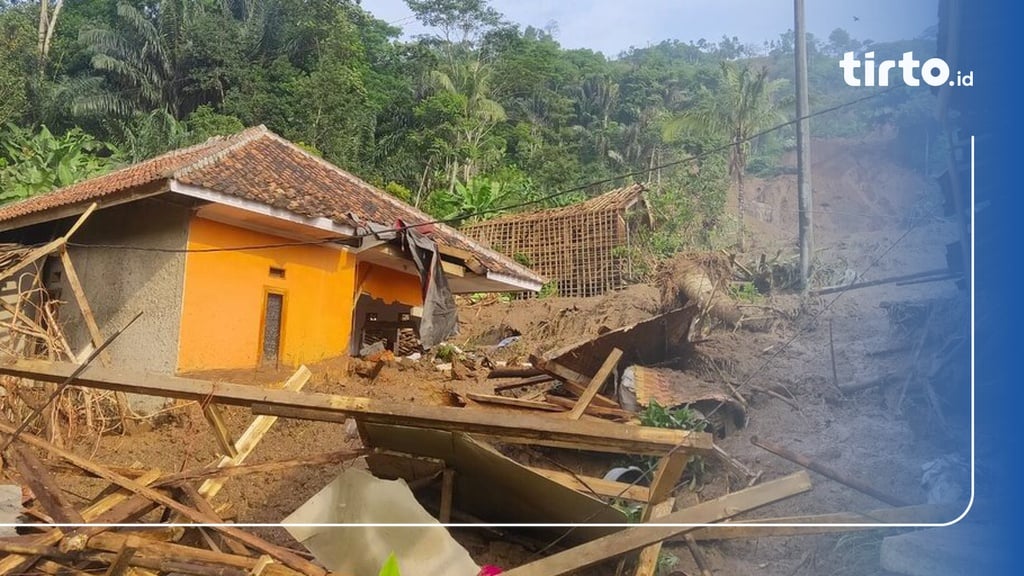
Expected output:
{"points": [[543, 324], [702, 278], [859, 186]]}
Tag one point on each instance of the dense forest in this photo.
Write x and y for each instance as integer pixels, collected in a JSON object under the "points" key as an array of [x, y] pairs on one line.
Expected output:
{"points": [[478, 115]]}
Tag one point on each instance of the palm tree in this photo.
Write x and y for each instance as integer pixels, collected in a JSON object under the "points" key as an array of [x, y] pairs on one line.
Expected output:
{"points": [[469, 82], [141, 60], [736, 113]]}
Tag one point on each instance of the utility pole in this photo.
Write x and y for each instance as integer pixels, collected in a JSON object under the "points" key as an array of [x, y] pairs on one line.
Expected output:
{"points": [[803, 148]]}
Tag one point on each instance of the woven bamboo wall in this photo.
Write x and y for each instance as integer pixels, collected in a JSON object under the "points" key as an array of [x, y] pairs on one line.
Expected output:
{"points": [[579, 251]]}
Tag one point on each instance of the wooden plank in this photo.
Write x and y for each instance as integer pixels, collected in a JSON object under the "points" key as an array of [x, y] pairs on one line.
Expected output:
{"points": [[285, 556], [630, 539], [203, 505], [514, 402], [595, 486], [515, 372], [596, 383], [220, 430], [447, 490], [89, 514], [921, 514], [599, 400], [32, 256], [647, 563], [525, 428], [34, 473], [249, 439], [666, 477], [83, 305], [120, 563], [593, 410], [524, 382]]}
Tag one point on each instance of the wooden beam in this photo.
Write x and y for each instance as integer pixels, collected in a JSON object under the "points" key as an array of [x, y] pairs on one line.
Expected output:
{"points": [[647, 563], [34, 473], [392, 252], [596, 486], [525, 428], [596, 383], [124, 556], [220, 430], [203, 505], [89, 514], [83, 304], [921, 514], [285, 556], [593, 409], [630, 539], [514, 402], [249, 439], [666, 477], [543, 378], [447, 490]]}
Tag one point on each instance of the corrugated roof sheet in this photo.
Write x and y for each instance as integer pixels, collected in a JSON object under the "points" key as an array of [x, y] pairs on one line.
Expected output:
{"points": [[258, 165]]}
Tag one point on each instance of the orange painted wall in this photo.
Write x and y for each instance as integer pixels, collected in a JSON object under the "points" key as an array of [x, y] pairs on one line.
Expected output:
{"points": [[389, 285], [225, 292]]}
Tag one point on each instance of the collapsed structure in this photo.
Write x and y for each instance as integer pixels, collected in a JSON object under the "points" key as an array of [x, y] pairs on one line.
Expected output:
{"points": [[586, 248]]}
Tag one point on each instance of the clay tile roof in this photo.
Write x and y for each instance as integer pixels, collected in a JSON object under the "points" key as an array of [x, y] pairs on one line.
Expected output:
{"points": [[616, 200], [258, 165]]}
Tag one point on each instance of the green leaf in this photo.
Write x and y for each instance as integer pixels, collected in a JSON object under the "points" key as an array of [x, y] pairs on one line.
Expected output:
{"points": [[390, 567]]}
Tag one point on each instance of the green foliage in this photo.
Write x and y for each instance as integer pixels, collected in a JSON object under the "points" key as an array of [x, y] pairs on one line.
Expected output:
{"points": [[36, 162], [390, 567], [680, 418], [446, 353], [745, 291], [548, 290]]}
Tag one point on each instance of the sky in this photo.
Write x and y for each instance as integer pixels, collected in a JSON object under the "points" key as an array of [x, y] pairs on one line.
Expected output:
{"points": [[613, 26]]}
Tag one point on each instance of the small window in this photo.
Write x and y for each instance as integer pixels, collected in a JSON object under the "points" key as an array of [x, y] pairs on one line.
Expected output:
{"points": [[276, 272], [371, 316], [405, 317]]}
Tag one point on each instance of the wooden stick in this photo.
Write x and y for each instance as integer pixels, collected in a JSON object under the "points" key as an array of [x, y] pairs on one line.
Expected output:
{"points": [[524, 382], [630, 539], [526, 428], [941, 272], [90, 513], [203, 505], [921, 514], [261, 468], [593, 410], [249, 439], [447, 489], [832, 352], [596, 383], [827, 472], [252, 540], [698, 555], [647, 563], [515, 372], [120, 563], [38, 478], [514, 402], [220, 430], [83, 305]]}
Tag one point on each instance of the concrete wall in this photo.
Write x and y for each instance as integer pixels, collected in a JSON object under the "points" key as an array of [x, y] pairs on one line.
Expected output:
{"points": [[119, 283]]}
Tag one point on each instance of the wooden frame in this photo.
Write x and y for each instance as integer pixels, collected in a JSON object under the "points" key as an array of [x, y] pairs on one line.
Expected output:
{"points": [[267, 292]]}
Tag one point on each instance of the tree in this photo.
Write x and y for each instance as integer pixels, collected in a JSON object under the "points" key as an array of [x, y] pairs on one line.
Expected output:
{"points": [[742, 107], [36, 162]]}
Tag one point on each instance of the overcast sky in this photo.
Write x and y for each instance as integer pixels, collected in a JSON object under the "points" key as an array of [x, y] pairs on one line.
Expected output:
{"points": [[612, 26]]}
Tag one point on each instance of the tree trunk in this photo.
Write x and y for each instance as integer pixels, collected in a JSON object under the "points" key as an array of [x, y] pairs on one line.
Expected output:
{"points": [[44, 20], [741, 202]]}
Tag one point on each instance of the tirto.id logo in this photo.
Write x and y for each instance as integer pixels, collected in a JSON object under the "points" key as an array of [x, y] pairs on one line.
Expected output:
{"points": [[934, 71]]}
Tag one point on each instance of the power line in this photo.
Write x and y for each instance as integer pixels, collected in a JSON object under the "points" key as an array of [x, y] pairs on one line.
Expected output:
{"points": [[510, 207]]}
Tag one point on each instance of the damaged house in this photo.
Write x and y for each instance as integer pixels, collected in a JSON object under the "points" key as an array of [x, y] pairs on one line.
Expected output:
{"points": [[246, 251], [586, 248]]}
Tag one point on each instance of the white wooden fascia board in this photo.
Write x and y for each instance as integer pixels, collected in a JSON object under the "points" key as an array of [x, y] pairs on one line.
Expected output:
{"points": [[320, 223]]}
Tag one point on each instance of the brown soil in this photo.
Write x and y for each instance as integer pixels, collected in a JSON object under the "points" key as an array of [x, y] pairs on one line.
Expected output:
{"points": [[865, 200]]}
